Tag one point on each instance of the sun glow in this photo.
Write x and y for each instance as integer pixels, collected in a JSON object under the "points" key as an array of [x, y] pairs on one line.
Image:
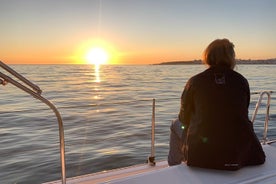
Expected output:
{"points": [[97, 56], [95, 52]]}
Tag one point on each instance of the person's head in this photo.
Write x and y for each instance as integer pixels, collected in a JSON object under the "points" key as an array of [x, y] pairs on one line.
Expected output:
{"points": [[220, 52]]}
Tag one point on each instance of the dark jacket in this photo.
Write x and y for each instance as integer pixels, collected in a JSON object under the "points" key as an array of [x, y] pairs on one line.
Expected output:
{"points": [[214, 112]]}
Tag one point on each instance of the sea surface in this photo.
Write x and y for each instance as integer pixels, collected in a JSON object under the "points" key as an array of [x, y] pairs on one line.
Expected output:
{"points": [[107, 113]]}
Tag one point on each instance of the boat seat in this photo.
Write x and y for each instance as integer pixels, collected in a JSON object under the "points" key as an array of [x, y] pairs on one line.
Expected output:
{"points": [[182, 174]]}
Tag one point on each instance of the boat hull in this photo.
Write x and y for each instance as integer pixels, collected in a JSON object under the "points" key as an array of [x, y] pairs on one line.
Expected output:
{"points": [[161, 173]]}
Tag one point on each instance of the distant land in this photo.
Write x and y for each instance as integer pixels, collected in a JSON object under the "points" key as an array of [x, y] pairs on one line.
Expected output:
{"points": [[239, 61]]}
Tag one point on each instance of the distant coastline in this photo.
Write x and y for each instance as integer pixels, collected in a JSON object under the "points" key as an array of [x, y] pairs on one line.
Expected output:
{"points": [[239, 61]]}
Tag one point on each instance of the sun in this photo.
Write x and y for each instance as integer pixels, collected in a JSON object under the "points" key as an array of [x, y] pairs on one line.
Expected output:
{"points": [[97, 56]]}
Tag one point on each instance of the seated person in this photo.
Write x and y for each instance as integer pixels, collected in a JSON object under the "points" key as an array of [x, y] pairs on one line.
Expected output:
{"points": [[213, 129]]}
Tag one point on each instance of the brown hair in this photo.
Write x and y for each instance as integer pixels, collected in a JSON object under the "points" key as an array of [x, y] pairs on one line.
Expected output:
{"points": [[220, 52]]}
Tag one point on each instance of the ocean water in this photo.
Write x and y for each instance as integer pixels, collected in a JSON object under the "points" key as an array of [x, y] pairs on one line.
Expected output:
{"points": [[106, 113]]}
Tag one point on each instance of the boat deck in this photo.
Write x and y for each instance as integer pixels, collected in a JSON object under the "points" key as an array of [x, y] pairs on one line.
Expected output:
{"points": [[161, 173]]}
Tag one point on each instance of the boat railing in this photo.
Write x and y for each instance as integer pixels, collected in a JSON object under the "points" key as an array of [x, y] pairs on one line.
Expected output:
{"points": [[151, 158], [258, 104], [35, 91]]}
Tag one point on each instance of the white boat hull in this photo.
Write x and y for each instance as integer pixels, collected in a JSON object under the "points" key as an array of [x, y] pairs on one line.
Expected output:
{"points": [[182, 174]]}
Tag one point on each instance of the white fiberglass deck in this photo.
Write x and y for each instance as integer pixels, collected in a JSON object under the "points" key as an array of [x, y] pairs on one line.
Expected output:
{"points": [[182, 174]]}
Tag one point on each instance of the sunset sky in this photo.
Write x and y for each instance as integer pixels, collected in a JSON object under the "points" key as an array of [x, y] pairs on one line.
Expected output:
{"points": [[133, 31]]}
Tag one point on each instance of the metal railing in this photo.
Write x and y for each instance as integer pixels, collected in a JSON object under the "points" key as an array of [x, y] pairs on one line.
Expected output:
{"points": [[151, 158], [258, 104], [35, 91]]}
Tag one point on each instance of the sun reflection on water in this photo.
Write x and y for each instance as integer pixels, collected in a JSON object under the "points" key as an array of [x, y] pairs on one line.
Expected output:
{"points": [[97, 73]]}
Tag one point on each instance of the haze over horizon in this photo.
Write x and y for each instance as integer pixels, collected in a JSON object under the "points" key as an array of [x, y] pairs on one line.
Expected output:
{"points": [[132, 32]]}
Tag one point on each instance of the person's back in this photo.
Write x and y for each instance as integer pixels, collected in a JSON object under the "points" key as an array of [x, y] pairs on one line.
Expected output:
{"points": [[219, 129], [214, 112]]}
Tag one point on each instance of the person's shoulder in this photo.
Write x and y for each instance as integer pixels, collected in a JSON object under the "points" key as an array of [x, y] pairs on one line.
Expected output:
{"points": [[197, 79], [200, 75], [237, 74], [239, 77]]}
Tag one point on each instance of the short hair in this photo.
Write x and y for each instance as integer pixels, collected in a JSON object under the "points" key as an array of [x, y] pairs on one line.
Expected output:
{"points": [[220, 52]]}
